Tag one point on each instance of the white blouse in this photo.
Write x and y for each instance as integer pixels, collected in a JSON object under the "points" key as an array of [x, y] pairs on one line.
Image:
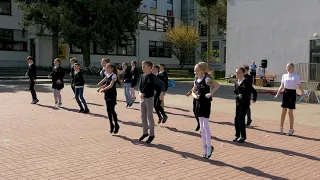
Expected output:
{"points": [[290, 81]]}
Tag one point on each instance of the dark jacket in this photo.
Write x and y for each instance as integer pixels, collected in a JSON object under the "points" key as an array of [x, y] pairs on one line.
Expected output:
{"points": [[135, 76], [164, 78], [248, 77], [78, 79], [32, 72], [245, 89], [148, 83], [126, 76], [57, 74]]}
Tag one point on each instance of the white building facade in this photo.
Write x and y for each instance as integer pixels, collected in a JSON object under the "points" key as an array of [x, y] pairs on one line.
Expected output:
{"points": [[280, 31], [158, 16]]}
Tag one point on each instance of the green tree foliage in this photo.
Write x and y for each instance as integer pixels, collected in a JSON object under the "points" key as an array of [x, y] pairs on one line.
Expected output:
{"points": [[184, 40], [45, 15], [107, 22]]}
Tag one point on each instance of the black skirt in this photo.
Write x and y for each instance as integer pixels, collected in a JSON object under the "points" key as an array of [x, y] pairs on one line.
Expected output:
{"points": [[203, 107], [289, 99]]}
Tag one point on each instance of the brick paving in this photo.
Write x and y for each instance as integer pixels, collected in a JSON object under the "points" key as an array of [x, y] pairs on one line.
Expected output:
{"points": [[41, 142]]}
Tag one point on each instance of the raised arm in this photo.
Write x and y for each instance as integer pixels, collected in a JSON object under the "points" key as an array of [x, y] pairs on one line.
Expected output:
{"points": [[214, 86]]}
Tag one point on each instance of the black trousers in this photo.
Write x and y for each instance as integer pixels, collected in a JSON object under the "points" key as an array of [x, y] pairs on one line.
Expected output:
{"points": [[239, 120], [195, 109], [72, 87], [112, 115], [253, 75], [157, 106], [33, 92]]}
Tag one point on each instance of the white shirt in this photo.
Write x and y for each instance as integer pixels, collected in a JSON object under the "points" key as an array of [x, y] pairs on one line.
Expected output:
{"points": [[290, 81], [200, 79], [239, 82], [30, 64], [112, 74]]}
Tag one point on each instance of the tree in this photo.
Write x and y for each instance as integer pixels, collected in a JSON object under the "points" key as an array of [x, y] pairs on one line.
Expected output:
{"points": [[184, 41], [106, 22], [45, 15], [210, 11], [214, 54]]}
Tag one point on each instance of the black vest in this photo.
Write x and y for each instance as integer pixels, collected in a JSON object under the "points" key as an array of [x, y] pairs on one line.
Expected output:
{"points": [[203, 88], [112, 92]]}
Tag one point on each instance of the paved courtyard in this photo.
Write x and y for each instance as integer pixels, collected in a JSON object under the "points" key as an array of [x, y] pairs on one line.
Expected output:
{"points": [[42, 142]]}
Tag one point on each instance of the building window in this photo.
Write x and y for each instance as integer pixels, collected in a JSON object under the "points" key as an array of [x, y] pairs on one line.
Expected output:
{"points": [[216, 49], [202, 29], [126, 49], [5, 7], [159, 49], [170, 8], [156, 23], [13, 40], [204, 47], [153, 3]]}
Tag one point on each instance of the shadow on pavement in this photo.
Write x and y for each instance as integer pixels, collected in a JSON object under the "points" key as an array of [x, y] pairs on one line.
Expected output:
{"points": [[24, 87], [249, 170], [249, 145]]}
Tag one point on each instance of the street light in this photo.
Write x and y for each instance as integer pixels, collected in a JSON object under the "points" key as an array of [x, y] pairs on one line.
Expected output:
{"points": [[139, 34]]}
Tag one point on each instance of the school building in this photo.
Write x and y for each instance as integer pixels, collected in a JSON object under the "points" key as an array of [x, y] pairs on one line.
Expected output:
{"points": [[158, 15], [280, 31]]}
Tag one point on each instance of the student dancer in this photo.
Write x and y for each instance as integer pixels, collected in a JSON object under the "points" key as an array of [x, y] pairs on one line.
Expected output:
{"points": [[104, 63], [146, 92], [78, 84], [157, 102], [249, 78], [72, 62], [289, 83], [110, 96], [194, 109], [134, 80], [242, 89], [57, 75], [165, 78], [32, 74], [203, 90], [126, 78]]}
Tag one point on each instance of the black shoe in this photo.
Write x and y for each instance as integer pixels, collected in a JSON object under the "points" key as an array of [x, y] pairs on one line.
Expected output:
{"points": [[35, 101], [235, 139], [150, 139], [204, 156], [86, 111], [159, 121], [131, 104], [164, 120], [209, 155], [242, 140], [248, 122], [81, 110], [127, 106], [111, 128], [198, 127], [116, 129], [143, 136]]}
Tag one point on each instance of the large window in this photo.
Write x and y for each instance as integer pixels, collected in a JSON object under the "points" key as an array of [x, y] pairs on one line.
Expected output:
{"points": [[170, 8], [5, 7], [153, 3], [202, 29], [125, 49], [159, 49], [156, 23], [13, 40]]}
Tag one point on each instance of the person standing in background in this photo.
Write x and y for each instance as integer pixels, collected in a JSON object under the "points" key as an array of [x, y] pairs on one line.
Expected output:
{"points": [[253, 71], [72, 62], [32, 74], [134, 80]]}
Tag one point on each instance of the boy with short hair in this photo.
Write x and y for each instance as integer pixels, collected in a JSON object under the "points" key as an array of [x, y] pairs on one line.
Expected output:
{"points": [[78, 84], [32, 73], [146, 92]]}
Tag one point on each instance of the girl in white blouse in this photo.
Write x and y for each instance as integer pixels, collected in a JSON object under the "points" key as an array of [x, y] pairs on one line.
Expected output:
{"points": [[289, 83]]}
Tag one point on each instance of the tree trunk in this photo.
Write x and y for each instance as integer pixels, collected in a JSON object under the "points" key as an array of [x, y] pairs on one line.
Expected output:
{"points": [[86, 53], [55, 44], [209, 36]]}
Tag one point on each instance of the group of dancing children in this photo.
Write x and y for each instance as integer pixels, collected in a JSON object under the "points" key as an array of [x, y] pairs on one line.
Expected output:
{"points": [[152, 87]]}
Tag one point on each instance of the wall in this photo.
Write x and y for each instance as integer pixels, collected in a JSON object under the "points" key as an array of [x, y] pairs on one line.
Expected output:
{"points": [[278, 31]]}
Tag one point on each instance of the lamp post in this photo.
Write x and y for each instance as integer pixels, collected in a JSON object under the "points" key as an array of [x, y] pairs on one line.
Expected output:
{"points": [[138, 44]]}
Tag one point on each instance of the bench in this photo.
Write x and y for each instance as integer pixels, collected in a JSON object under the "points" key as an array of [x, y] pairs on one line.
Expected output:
{"points": [[178, 72], [230, 79], [269, 80]]}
